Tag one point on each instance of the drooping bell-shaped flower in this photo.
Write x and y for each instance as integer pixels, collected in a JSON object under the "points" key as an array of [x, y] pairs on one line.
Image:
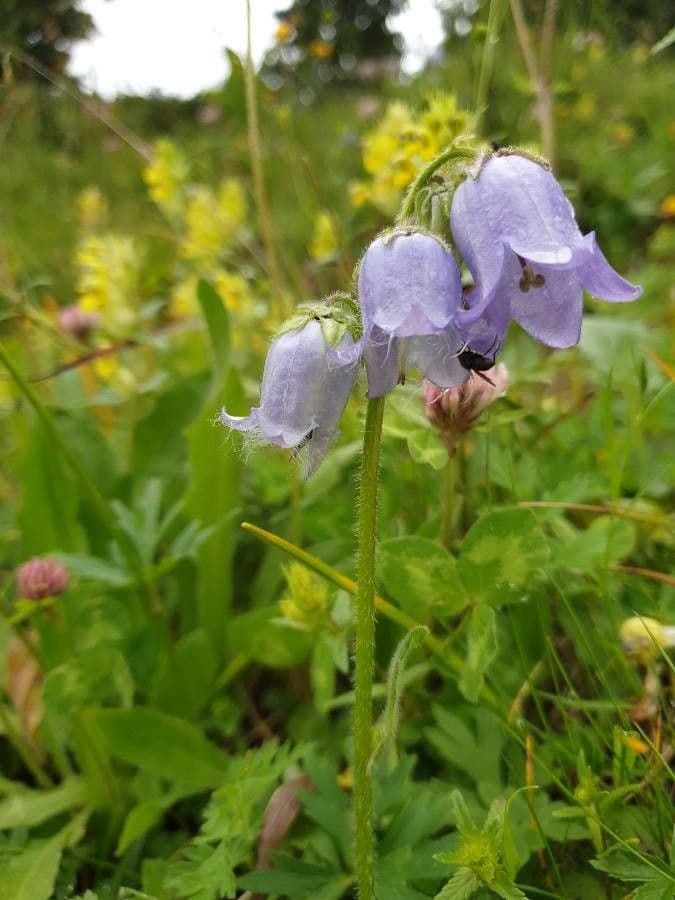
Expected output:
{"points": [[304, 391], [409, 292], [517, 233]]}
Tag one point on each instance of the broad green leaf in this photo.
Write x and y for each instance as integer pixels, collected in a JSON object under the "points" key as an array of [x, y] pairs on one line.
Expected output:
{"points": [[295, 878], [425, 446], [27, 808], [474, 748], [214, 489], [217, 322], [501, 555], [421, 576], [606, 540], [185, 683], [162, 745], [262, 636], [50, 498], [481, 650], [322, 672]]}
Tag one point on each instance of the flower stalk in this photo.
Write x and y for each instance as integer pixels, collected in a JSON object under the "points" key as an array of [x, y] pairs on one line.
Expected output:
{"points": [[365, 651]]}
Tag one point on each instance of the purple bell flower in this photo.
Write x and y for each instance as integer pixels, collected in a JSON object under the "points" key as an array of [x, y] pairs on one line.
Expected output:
{"points": [[409, 293], [517, 233], [304, 391]]}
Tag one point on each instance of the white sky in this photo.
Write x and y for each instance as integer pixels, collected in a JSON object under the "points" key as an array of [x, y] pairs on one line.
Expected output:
{"points": [[176, 46]]}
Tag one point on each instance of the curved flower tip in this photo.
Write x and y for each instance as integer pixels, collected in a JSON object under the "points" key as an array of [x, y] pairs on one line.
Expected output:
{"points": [[518, 235], [409, 284], [303, 394]]}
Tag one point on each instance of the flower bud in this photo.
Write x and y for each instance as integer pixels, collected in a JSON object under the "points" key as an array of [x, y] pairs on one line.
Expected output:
{"points": [[455, 410], [643, 638], [77, 322], [40, 577]]}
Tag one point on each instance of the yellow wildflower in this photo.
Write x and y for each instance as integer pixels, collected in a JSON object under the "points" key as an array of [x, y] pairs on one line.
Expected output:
{"points": [[401, 143], [324, 245], [284, 31], [667, 210], [183, 300], [320, 49], [212, 221], [92, 209], [306, 601], [166, 175], [622, 133], [359, 193], [234, 290], [107, 280]]}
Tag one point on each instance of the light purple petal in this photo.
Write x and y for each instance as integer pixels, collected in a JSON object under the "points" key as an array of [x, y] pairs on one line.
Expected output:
{"points": [[550, 312], [436, 356], [408, 284], [601, 280], [240, 423], [381, 357], [485, 334]]}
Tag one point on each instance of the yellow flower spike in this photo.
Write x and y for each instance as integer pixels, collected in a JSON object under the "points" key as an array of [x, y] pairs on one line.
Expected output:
{"points": [[92, 209], [359, 194], [643, 638], [325, 244], [108, 268], [166, 176], [213, 221], [234, 291]]}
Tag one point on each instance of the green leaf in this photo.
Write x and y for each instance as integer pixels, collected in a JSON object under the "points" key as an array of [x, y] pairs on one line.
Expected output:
{"points": [[27, 808], [297, 879], [322, 671], [475, 750], [501, 555], [606, 540], [630, 868], [186, 680], [31, 874], [461, 886], [426, 447], [218, 324], [421, 576], [93, 569], [388, 725], [145, 816], [162, 745], [504, 887], [481, 650], [261, 636]]}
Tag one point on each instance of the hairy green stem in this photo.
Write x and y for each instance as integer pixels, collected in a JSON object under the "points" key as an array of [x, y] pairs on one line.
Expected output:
{"points": [[365, 652], [456, 152]]}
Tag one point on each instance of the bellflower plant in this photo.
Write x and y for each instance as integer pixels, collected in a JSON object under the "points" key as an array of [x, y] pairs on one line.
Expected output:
{"points": [[303, 392], [409, 292], [517, 233]]}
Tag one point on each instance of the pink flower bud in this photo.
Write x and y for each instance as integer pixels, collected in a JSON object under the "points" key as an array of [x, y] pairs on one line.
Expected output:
{"points": [[77, 322], [454, 410], [41, 577]]}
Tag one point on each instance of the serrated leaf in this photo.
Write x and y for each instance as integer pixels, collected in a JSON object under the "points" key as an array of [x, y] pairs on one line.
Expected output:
{"points": [[421, 576], [500, 556], [481, 651], [461, 886]]}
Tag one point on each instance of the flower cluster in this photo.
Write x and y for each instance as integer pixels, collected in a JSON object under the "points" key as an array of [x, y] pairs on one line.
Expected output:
{"points": [[395, 151], [519, 239], [107, 281]]}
